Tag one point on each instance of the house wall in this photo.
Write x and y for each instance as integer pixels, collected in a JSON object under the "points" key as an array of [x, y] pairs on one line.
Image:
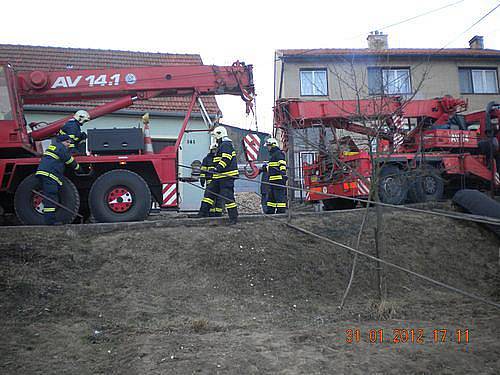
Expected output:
{"points": [[346, 78], [194, 146]]}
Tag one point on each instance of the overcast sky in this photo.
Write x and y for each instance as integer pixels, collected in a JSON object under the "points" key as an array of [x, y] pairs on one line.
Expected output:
{"points": [[225, 31]]}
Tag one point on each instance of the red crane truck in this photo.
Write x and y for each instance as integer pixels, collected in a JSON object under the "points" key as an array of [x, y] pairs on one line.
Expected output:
{"points": [[424, 148], [121, 186]]}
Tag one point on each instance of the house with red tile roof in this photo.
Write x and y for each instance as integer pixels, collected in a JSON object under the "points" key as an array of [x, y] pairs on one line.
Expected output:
{"points": [[350, 74], [166, 114]]}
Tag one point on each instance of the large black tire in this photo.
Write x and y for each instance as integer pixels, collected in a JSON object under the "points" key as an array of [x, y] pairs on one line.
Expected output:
{"points": [[118, 196], [338, 204], [426, 186], [393, 185], [477, 203], [25, 208]]}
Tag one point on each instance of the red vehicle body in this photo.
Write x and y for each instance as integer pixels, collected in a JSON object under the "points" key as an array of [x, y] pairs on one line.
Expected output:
{"points": [[424, 149], [19, 156]]}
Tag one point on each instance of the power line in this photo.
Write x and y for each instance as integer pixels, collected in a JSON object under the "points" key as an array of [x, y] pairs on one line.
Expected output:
{"points": [[471, 26], [389, 26], [414, 17]]}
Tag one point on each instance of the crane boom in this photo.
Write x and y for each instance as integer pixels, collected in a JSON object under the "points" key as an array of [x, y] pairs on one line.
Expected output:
{"points": [[302, 113], [39, 87], [123, 86]]}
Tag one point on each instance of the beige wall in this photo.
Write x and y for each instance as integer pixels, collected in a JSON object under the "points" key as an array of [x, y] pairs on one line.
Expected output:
{"points": [[345, 78]]}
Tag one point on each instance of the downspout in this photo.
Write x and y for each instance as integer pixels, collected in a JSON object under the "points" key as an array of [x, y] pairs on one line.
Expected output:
{"points": [[291, 149]]}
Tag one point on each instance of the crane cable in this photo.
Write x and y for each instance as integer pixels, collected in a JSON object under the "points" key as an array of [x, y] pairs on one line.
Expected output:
{"points": [[466, 217], [371, 257]]}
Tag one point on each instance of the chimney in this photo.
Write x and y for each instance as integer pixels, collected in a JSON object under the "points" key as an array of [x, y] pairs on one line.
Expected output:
{"points": [[476, 42], [377, 40]]}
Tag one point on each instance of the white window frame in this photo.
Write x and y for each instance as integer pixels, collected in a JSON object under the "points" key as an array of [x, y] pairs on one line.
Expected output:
{"points": [[303, 156], [390, 88], [316, 90], [300, 157], [475, 86], [484, 81]]}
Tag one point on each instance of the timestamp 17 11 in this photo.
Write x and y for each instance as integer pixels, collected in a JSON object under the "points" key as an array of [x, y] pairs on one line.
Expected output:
{"points": [[407, 335]]}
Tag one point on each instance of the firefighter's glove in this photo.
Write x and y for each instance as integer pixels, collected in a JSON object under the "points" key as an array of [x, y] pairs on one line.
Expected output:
{"points": [[263, 168], [83, 136], [202, 182]]}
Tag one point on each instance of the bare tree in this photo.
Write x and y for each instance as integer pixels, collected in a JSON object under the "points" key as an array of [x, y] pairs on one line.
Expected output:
{"points": [[382, 124]]}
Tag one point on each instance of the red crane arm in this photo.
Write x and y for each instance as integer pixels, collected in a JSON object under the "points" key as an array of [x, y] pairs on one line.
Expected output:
{"points": [[307, 113], [129, 84], [39, 87]]}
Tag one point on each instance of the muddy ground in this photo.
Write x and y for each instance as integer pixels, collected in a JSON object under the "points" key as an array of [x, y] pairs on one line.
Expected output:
{"points": [[195, 297]]}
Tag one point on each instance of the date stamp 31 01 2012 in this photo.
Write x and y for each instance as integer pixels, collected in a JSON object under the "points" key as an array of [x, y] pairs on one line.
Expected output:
{"points": [[407, 336]]}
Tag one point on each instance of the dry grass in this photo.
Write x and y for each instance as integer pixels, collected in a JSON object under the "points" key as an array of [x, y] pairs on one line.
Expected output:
{"points": [[199, 325], [385, 309]]}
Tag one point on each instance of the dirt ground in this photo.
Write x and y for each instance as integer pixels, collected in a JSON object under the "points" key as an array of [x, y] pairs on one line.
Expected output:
{"points": [[196, 297]]}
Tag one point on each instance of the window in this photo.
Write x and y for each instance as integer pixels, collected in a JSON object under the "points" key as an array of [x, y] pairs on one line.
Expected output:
{"points": [[478, 81], [302, 157], [160, 144], [313, 82], [389, 81]]}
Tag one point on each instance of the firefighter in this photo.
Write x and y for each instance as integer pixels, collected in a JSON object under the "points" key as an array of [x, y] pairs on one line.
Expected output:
{"points": [[276, 168], [50, 172], [72, 128], [207, 169], [223, 176]]}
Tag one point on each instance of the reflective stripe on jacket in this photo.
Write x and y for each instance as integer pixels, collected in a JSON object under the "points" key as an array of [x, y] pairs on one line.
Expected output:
{"points": [[226, 161], [207, 165], [277, 165], [53, 161], [72, 129]]}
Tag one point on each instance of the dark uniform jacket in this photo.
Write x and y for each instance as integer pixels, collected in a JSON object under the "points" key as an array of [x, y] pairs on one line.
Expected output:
{"points": [[54, 160], [207, 165], [226, 164], [277, 165], [72, 129]]}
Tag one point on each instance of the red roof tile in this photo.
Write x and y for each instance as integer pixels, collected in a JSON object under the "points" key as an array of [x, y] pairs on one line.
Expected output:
{"points": [[465, 52], [57, 58]]}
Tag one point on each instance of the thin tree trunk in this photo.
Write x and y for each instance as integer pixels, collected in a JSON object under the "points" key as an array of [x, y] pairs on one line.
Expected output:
{"points": [[378, 242]]}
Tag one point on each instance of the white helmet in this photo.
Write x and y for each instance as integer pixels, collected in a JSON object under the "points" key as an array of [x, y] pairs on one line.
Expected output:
{"points": [[219, 132], [271, 142], [82, 116], [213, 146]]}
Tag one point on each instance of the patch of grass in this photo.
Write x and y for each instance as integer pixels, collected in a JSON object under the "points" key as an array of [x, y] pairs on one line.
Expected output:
{"points": [[385, 309], [199, 325]]}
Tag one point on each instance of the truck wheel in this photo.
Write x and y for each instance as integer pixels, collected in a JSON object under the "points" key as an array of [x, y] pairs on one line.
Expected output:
{"points": [[338, 204], [29, 206], [119, 195], [392, 186], [428, 185]]}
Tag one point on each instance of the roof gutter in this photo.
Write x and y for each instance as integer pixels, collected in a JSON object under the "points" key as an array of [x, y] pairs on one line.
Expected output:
{"points": [[376, 55]]}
